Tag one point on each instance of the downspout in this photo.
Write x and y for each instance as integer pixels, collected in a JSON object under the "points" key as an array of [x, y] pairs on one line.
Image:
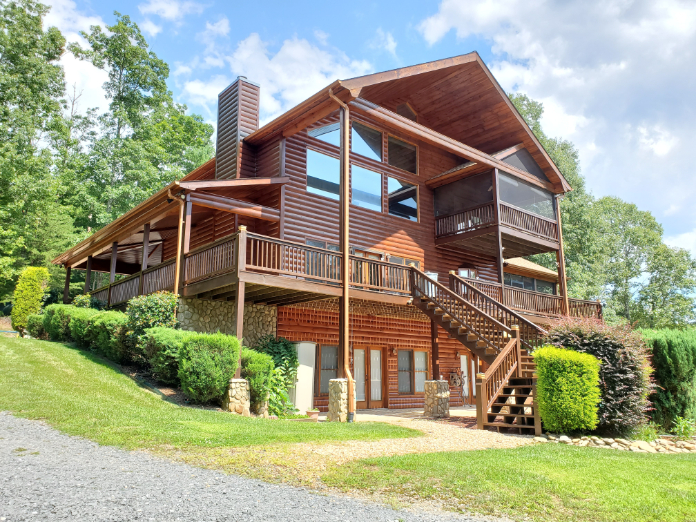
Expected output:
{"points": [[177, 270], [345, 250]]}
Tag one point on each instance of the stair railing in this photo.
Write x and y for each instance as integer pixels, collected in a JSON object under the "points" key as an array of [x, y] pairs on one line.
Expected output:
{"points": [[490, 384], [489, 330], [530, 333]]}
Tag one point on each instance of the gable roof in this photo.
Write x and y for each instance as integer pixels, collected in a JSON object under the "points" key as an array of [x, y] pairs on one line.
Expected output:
{"points": [[457, 97]]}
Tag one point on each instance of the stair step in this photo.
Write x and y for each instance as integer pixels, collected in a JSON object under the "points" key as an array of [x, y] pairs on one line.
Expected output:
{"points": [[500, 414], [424, 298], [439, 311], [431, 305], [481, 344], [507, 425], [514, 395], [446, 317], [461, 330]]}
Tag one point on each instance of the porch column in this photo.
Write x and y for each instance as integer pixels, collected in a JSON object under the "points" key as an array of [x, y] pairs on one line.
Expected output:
{"points": [[112, 272], [498, 236], [344, 300], [66, 288], [146, 255], [435, 351], [88, 275], [560, 259], [179, 241], [240, 291]]}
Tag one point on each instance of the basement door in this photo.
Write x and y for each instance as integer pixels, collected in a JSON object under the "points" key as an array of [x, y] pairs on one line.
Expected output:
{"points": [[368, 370]]}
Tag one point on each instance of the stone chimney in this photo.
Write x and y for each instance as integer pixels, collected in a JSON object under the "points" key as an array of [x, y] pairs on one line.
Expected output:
{"points": [[238, 116]]}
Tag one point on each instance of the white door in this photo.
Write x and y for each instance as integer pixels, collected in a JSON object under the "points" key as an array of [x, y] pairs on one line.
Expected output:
{"points": [[465, 377], [302, 395]]}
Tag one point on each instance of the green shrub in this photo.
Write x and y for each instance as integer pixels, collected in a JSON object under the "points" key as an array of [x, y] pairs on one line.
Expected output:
{"points": [[567, 389], [28, 296], [624, 373], [35, 326], [80, 322], [284, 355], [57, 321], [107, 333], [150, 311], [257, 368], [647, 432], [162, 348], [82, 301], [674, 361], [206, 364], [683, 428]]}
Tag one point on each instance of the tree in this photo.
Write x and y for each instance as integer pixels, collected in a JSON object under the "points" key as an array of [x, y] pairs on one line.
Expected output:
{"points": [[28, 296]]}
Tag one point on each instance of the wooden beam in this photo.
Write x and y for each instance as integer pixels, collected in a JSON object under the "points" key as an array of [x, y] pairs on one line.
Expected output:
{"points": [[187, 225], [239, 293], [66, 288], [498, 236], [281, 223], [441, 141], [114, 255], [321, 111], [231, 183], [146, 246], [236, 206], [179, 241], [560, 258]]}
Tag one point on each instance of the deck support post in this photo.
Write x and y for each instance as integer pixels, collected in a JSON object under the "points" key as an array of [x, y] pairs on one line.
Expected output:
{"points": [[481, 400], [179, 244], [146, 255], [435, 349], [498, 236], [560, 258], [112, 272], [66, 288], [88, 275], [240, 291], [344, 300]]}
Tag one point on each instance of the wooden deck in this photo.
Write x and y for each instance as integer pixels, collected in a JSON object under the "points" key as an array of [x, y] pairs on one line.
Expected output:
{"points": [[279, 272]]}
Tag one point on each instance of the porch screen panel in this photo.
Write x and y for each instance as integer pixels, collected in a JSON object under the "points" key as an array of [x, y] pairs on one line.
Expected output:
{"points": [[405, 371], [329, 367], [376, 375], [421, 365], [463, 194], [526, 196], [359, 369]]}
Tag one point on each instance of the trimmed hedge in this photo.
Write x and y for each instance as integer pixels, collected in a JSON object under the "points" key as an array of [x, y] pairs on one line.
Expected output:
{"points": [[674, 361], [150, 311], [82, 301], [162, 349], [567, 389], [28, 296], [257, 368], [80, 323], [624, 373], [57, 321], [35, 326], [108, 335], [206, 364]]}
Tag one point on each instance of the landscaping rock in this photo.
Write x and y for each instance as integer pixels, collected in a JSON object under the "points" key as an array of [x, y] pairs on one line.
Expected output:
{"points": [[540, 439]]}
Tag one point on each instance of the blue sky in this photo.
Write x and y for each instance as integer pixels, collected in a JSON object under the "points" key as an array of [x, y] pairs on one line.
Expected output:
{"points": [[617, 77]]}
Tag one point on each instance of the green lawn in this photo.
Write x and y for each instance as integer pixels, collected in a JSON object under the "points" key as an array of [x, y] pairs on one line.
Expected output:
{"points": [[82, 394], [543, 482]]}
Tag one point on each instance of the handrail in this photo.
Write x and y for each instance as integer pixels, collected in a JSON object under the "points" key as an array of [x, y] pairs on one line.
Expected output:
{"points": [[464, 210], [212, 244], [465, 220], [533, 214], [500, 371], [161, 265], [528, 222]]}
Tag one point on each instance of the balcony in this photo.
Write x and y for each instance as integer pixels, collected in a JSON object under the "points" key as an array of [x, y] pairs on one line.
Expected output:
{"points": [[279, 272]]}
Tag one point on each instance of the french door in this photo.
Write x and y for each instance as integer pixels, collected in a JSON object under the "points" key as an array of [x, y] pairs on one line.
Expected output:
{"points": [[368, 371]]}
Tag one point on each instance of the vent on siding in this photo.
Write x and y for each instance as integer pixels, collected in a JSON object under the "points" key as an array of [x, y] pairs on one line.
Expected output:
{"points": [[238, 116]]}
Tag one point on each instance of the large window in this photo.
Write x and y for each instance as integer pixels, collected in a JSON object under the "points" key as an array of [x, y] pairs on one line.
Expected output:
{"points": [[323, 174], [328, 133], [403, 155], [526, 196], [366, 188], [366, 141], [403, 199], [529, 283], [413, 371], [328, 361]]}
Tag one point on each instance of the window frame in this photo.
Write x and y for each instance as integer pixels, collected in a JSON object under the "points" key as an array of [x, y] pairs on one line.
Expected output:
{"points": [[386, 197], [381, 187], [318, 150], [361, 156], [412, 372], [417, 173]]}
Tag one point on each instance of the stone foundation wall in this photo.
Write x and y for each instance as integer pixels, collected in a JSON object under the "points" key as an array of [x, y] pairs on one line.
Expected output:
{"points": [[437, 397], [236, 399], [206, 316]]}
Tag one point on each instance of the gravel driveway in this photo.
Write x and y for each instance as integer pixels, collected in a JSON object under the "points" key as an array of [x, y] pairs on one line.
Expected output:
{"points": [[45, 475]]}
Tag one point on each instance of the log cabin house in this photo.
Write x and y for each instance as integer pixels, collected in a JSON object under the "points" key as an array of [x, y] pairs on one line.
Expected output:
{"points": [[381, 224]]}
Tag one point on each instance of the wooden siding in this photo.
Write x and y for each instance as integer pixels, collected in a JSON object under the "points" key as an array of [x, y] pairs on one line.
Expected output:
{"points": [[238, 116], [301, 323]]}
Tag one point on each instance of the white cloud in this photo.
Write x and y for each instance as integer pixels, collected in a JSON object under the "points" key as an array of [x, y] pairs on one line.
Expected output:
{"points": [[150, 27], [171, 10], [219, 28], [385, 41], [615, 76], [685, 240], [86, 79], [205, 93]]}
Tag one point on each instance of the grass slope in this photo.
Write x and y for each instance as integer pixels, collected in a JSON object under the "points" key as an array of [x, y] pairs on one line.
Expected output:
{"points": [[81, 394], [543, 482]]}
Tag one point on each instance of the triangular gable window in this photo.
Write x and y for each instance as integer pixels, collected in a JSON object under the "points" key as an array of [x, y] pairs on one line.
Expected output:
{"points": [[523, 160]]}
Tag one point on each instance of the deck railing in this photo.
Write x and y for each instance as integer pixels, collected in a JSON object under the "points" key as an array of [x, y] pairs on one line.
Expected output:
{"points": [[534, 224], [465, 221], [216, 258], [159, 277], [530, 333], [381, 276]]}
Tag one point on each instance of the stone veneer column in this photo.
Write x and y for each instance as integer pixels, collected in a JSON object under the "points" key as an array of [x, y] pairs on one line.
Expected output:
{"points": [[236, 399], [338, 400], [436, 399]]}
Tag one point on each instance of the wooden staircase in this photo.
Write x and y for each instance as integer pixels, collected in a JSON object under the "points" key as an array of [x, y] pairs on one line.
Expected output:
{"points": [[505, 394]]}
